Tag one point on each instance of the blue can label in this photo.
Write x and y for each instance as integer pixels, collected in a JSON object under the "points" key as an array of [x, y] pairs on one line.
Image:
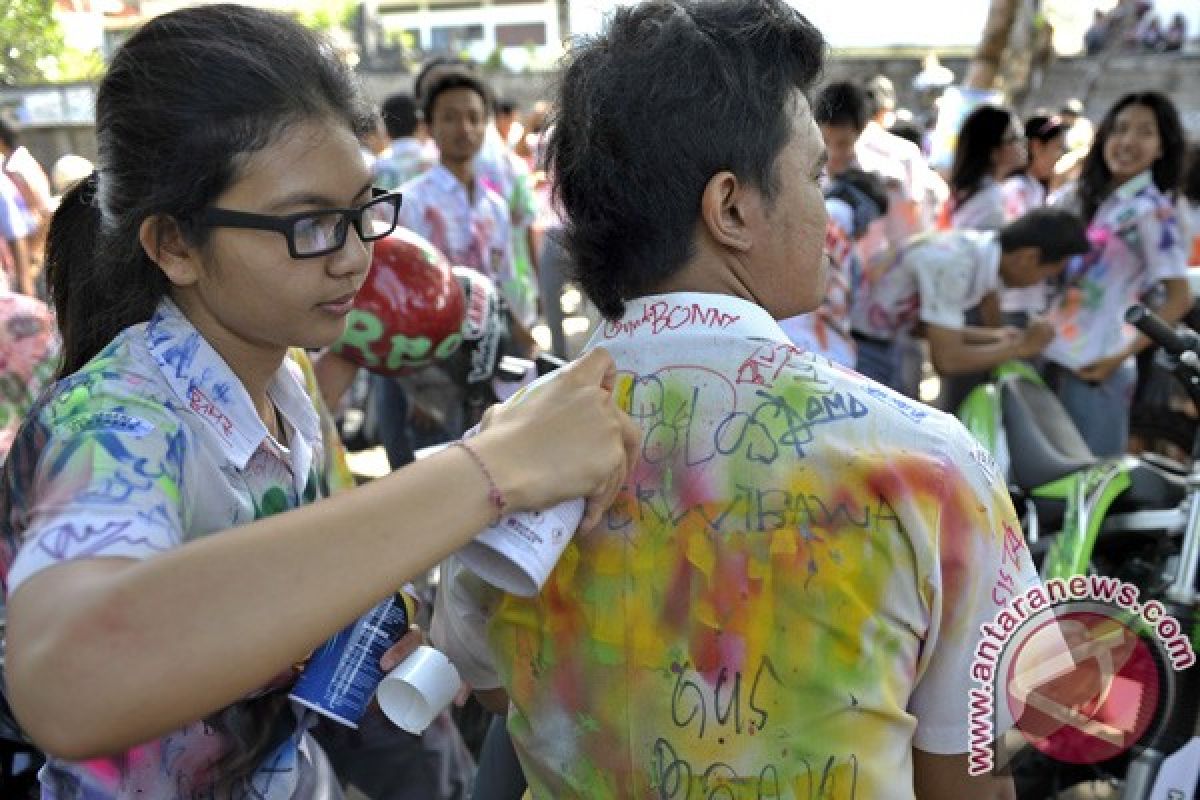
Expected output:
{"points": [[342, 675]]}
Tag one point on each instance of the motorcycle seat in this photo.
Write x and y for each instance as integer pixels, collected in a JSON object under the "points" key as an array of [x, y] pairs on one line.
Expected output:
{"points": [[1152, 488], [1043, 443]]}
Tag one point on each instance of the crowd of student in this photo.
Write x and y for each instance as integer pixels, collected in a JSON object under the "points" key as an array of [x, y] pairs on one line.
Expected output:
{"points": [[1135, 26], [692, 164]]}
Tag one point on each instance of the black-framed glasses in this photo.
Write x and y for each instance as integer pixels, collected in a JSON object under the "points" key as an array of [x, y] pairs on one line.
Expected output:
{"points": [[315, 233]]}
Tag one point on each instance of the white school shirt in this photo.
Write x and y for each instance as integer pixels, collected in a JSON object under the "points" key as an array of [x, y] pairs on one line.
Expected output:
{"points": [[152, 444], [790, 528], [471, 234], [935, 278], [1137, 243]]}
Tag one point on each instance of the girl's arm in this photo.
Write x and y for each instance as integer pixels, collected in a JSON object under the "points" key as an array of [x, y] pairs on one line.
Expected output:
{"points": [[107, 653]]}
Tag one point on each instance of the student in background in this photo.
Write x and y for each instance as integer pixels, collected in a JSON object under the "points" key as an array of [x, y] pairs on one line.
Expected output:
{"points": [[1125, 194]]}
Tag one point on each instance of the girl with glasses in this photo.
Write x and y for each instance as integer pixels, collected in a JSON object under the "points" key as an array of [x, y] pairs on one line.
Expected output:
{"points": [[165, 557]]}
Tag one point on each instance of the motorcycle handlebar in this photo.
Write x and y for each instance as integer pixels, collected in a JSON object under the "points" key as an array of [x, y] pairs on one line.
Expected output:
{"points": [[1159, 332]]}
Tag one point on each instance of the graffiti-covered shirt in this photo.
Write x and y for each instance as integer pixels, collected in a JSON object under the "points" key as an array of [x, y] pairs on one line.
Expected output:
{"points": [[935, 278], [28, 357], [404, 159], [152, 444], [1136, 243], [785, 598], [476, 235], [983, 211]]}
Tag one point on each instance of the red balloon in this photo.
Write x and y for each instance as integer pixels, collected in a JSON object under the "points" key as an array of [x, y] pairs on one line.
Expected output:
{"points": [[409, 313]]}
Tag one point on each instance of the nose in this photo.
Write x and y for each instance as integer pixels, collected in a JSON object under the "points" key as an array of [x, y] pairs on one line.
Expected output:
{"points": [[353, 259]]}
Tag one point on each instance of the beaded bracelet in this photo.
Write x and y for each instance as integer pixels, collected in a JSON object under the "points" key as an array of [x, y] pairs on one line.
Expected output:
{"points": [[495, 496]]}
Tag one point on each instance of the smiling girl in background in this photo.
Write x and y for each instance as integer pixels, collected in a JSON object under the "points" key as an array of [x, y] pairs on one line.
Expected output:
{"points": [[1125, 195], [230, 217]]}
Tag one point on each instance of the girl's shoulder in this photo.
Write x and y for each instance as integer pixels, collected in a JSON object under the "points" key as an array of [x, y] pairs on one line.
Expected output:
{"points": [[1137, 200], [121, 386]]}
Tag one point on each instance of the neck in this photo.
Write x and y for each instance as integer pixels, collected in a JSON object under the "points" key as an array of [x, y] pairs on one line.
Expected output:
{"points": [[709, 274], [465, 172], [254, 363]]}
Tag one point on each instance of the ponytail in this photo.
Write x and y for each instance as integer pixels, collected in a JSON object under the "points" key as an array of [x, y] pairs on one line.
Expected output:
{"points": [[97, 289]]}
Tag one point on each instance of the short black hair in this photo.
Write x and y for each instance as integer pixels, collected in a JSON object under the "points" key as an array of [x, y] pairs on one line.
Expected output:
{"points": [[455, 79], [668, 95], [399, 112], [427, 69], [8, 135], [506, 107], [1045, 127], [841, 103], [1055, 232], [909, 131]]}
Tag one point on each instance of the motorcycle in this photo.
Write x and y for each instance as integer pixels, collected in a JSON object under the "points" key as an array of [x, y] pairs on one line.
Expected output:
{"points": [[1133, 518]]}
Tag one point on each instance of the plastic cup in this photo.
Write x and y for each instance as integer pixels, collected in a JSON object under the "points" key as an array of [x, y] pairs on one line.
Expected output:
{"points": [[343, 673], [518, 553], [417, 690]]}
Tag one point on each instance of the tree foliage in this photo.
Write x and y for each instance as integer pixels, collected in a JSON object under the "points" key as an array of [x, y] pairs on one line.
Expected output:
{"points": [[29, 36]]}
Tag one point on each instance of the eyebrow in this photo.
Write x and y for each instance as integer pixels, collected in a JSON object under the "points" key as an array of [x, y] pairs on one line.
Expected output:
{"points": [[312, 199]]}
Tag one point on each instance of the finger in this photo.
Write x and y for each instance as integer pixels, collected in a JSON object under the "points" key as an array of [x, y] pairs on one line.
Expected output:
{"points": [[594, 368], [631, 438], [599, 503], [402, 649]]}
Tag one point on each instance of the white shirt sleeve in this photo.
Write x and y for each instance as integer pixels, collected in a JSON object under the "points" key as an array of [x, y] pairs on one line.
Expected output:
{"points": [[108, 485], [943, 283], [461, 609], [982, 565], [1164, 244]]}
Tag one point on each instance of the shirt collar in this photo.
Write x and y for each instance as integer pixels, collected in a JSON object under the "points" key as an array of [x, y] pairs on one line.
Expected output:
{"points": [[446, 180], [989, 250], [206, 385], [689, 314], [406, 144], [1134, 186]]}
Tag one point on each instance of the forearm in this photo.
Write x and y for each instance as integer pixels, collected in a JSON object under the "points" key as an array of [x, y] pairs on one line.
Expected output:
{"points": [[975, 334], [946, 777], [1176, 305], [208, 623], [975, 358]]}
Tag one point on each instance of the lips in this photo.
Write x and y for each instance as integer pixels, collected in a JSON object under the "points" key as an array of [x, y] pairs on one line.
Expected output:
{"points": [[339, 305]]}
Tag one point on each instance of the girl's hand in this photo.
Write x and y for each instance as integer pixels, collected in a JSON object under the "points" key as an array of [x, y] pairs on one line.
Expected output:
{"points": [[402, 649], [563, 441], [1100, 371]]}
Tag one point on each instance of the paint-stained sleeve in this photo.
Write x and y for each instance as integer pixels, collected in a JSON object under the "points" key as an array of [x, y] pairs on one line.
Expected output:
{"points": [[1164, 249], [461, 611], [983, 564], [104, 480]]}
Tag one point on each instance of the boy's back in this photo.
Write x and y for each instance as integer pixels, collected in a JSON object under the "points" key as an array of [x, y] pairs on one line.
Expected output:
{"points": [[786, 597]]}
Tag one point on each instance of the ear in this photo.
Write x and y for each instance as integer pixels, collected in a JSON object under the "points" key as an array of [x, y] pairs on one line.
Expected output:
{"points": [[165, 244], [725, 210]]}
